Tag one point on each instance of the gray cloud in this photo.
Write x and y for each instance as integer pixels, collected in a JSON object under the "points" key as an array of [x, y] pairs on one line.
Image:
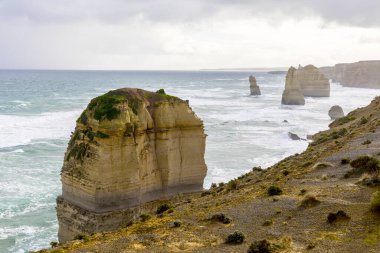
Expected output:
{"points": [[349, 12]]}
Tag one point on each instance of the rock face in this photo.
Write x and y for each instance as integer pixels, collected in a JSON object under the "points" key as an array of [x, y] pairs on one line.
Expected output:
{"points": [[363, 74], [255, 89], [313, 83], [292, 94], [129, 147], [336, 112]]}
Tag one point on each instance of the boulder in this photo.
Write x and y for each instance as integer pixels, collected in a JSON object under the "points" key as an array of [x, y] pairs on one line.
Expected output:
{"points": [[362, 74], [294, 136], [255, 89], [336, 112], [313, 83], [130, 147], [292, 94]]}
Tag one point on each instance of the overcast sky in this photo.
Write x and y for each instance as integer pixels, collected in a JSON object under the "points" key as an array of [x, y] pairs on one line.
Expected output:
{"points": [[186, 34]]}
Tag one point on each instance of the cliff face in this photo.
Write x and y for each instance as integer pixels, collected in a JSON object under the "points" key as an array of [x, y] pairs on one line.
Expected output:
{"points": [[129, 147], [313, 83], [255, 89], [363, 74], [292, 94]]}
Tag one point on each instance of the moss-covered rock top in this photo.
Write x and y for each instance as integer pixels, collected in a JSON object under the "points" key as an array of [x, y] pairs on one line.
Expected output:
{"points": [[110, 105]]}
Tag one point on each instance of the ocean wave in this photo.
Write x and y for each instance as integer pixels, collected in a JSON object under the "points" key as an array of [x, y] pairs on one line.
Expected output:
{"points": [[21, 130]]}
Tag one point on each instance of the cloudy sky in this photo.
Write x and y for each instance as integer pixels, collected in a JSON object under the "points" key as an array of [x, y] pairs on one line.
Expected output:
{"points": [[186, 34]]}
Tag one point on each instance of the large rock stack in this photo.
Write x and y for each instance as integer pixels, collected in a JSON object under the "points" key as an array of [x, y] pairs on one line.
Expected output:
{"points": [[292, 94], [313, 83], [129, 147]]}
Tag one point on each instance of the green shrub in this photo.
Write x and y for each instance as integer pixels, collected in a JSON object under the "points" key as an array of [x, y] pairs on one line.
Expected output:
{"points": [[363, 121], [54, 244], [221, 217], [267, 223], [232, 184], [161, 91], [262, 246], [236, 237], [306, 164], [322, 165], [285, 172], [164, 207], [145, 217], [375, 201], [345, 160], [274, 190]]}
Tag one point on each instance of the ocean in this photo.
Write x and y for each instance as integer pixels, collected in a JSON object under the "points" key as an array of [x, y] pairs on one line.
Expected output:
{"points": [[38, 110]]}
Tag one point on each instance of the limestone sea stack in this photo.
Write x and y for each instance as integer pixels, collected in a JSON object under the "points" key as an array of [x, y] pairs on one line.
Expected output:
{"points": [[255, 89], [362, 74], [336, 112], [292, 94], [313, 83], [129, 147]]}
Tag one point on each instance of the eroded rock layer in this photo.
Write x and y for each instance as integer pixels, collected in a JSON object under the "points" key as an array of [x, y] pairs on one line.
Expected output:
{"points": [[313, 83], [129, 147]]}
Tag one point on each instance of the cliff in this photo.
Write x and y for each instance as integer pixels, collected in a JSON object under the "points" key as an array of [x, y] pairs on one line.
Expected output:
{"points": [[292, 94], [317, 201], [362, 74], [255, 89], [130, 147]]}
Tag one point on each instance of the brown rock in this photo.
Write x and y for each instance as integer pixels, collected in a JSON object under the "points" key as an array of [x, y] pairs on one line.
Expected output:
{"points": [[255, 89]]}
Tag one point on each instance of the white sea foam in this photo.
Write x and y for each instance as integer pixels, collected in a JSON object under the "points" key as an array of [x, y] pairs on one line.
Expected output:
{"points": [[21, 130]]}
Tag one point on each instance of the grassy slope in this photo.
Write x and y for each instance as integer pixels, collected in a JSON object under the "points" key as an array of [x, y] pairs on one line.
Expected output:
{"points": [[280, 219]]}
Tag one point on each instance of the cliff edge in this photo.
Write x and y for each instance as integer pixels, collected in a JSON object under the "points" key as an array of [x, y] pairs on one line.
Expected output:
{"points": [[129, 147]]}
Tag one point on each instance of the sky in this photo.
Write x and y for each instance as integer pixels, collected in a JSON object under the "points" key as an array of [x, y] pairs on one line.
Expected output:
{"points": [[186, 34]]}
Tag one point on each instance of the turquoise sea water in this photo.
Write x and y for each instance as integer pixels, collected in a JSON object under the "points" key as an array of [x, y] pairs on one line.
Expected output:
{"points": [[38, 110]]}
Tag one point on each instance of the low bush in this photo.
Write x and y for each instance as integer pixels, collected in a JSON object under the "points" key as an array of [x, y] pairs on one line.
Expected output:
{"points": [[364, 164], [145, 217], [164, 207], [338, 216], [262, 246], [274, 190], [345, 160], [232, 185], [236, 237], [309, 201], [81, 237], [54, 244], [221, 217], [375, 201], [366, 142], [177, 224]]}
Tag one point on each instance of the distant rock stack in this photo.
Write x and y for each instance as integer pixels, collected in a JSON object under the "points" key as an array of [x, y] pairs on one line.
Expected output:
{"points": [[292, 94], [362, 74], [255, 89], [313, 83], [336, 112], [129, 148]]}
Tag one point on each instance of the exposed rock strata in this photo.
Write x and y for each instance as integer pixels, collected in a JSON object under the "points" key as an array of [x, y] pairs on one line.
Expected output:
{"points": [[336, 112], [255, 89], [129, 147], [362, 74], [292, 94], [313, 83]]}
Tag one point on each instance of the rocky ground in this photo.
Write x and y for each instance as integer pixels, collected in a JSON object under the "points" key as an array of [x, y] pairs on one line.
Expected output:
{"points": [[306, 189]]}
